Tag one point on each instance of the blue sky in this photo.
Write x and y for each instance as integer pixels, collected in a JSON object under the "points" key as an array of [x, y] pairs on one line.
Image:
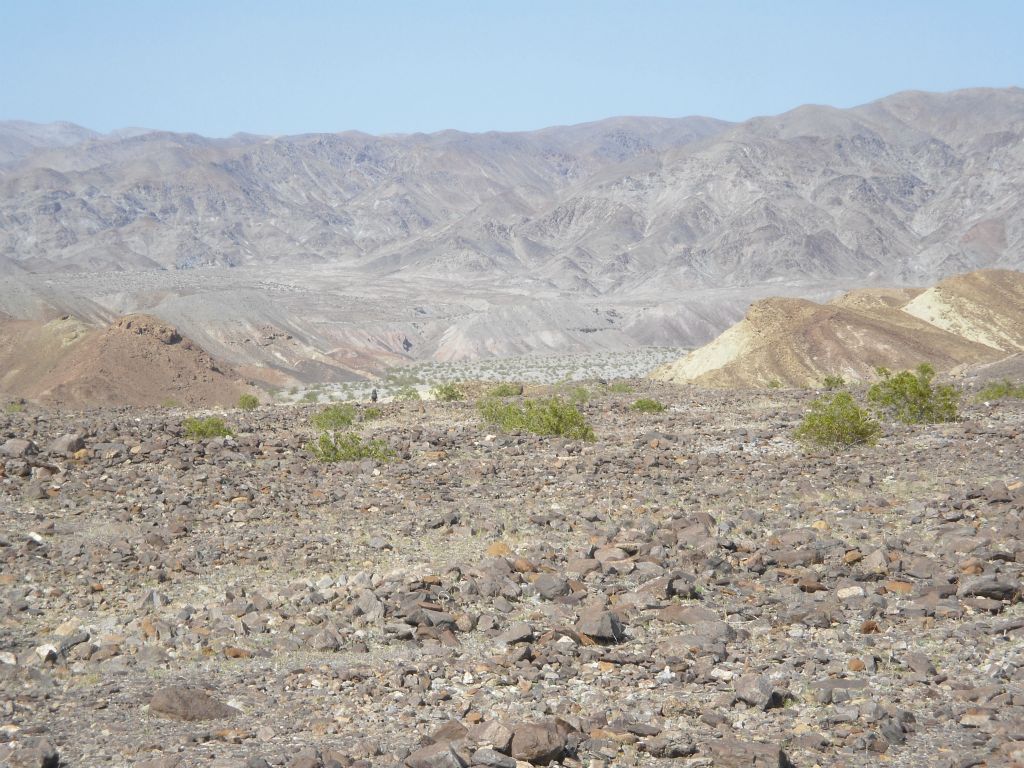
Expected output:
{"points": [[309, 65]]}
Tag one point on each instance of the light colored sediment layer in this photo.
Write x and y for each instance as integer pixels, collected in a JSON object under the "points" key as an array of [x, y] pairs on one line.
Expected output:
{"points": [[985, 306], [967, 320]]}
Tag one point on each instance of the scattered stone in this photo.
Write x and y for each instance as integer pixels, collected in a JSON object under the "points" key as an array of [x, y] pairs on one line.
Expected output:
{"points": [[603, 626], [538, 743], [993, 587], [182, 703], [733, 753], [435, 756], [758, 691], [37, 753]]}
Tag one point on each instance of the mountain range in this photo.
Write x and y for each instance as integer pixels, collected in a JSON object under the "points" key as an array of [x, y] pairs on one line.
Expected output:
{"points": [[661, 231]]}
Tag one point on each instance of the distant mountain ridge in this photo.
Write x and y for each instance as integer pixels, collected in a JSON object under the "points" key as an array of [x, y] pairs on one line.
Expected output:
{"points": [[907, 189]]}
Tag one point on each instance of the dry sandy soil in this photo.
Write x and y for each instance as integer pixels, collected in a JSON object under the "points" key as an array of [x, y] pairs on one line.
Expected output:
{"points": [[689, 590]]}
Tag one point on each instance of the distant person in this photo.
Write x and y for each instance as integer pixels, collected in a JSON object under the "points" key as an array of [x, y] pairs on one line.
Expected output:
{"points": [[373, 395]]}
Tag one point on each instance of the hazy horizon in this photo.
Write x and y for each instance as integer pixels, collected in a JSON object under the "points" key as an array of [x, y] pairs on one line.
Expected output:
{"points": [[398, 68]]}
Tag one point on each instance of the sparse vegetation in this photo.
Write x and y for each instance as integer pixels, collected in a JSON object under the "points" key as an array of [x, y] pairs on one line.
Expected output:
{"points": [[408, 393], [202, 429], [1000, 390], [579, 395], [348, 446], [911, 397], [334, 417], [774, 384], [647, 405], [620, 388], [550, 416], [371, 413], [505, 389], [248, 402], [837, 422], [311, 397], [448, 392], [14, 406], [833, 383]]}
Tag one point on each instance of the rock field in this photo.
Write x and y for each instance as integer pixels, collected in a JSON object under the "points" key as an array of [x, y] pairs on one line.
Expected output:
{"points": [[689, 590]]}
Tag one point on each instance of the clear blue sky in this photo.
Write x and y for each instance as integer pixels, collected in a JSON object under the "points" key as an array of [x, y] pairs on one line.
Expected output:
{"points": [[302, 66]]}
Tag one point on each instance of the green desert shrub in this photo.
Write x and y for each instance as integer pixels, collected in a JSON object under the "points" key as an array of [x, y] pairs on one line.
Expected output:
{"points": [[837, 422], [248, 402], [348, 446], [334, 417], [620, 387], [911, 396], [579, 395], [832, 383], [408, 393], [201, 429], [1000, 390], [505, 389], [448, 392], [371, 413], [311, 397], [550, 416], [14, 406], [774, 384], [647, 405]]}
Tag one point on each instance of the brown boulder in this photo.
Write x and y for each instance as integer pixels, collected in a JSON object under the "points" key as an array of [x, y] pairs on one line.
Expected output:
{"points": [[182, 703]]}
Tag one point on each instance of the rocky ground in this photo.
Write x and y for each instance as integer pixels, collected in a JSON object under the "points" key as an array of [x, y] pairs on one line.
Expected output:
{"points": [[689, 590]]}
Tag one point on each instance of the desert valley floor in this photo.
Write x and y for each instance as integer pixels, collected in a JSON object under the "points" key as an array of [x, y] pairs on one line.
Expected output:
{"points": [[691, 589]]}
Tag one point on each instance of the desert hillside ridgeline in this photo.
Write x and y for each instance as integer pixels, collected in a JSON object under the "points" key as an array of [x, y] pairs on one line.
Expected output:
{"points": [[135, 361], [972, 321]]}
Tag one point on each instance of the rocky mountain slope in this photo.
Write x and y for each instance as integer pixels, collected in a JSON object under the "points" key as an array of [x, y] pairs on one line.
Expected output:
{"points": [[136, 361], [691, 589], [971, 319], [328, 257], [909, 188]]}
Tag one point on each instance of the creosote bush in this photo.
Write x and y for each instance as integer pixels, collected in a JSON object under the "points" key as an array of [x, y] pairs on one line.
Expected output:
{"points": [[832, 383], [1000, 390], [348, 446], [447, 393], [620, 388], [579, 395], [837, 422], [248, 402], [334, 417], [201, 429], [911, 397], [550, 416], [647, 405], [505, 389], [408, 393], [371, 413]]}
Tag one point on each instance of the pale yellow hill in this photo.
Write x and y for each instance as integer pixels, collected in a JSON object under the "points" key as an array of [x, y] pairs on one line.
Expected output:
{"points": [[968, 320], [985, 306]]}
